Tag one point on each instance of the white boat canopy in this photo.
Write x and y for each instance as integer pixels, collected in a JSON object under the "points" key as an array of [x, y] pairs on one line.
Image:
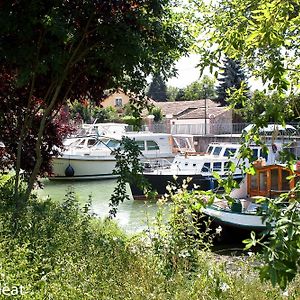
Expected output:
{"points": [[283, 130]]}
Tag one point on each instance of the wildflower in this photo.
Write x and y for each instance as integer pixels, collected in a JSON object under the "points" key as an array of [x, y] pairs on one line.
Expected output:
{"points": [[224, 287]]}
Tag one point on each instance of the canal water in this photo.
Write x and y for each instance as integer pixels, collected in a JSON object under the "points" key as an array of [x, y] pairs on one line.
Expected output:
{"points": [[133, 216]]}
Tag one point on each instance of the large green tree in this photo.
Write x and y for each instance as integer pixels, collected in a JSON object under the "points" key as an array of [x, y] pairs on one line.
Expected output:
{"points": [[57, 50], [204, 88], [264, 36], [157, 89], [230, 78]]}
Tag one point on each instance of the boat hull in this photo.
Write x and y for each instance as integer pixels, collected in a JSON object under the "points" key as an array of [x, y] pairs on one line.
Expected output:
{"points": [[84, 168], [230, 219], [159, 183]]}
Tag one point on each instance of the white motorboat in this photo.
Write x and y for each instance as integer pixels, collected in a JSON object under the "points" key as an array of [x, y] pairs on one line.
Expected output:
{"points": [[247, 212], [91, 157], [201, 166], [96, 130]]}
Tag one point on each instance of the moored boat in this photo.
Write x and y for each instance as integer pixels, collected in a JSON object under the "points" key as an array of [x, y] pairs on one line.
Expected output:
{"points": [[91, 157], [248, 210], [200, 167]]}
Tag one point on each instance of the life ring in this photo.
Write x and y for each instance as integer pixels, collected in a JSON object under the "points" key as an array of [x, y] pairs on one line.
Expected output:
{"points": [[69, 171], [274, 148]]}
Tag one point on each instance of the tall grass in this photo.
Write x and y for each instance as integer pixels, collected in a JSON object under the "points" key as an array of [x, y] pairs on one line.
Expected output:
{"points": [[59, 251]]}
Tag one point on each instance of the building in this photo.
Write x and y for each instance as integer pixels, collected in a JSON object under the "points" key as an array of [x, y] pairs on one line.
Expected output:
{"points": [[116, 99], [200, 117]]}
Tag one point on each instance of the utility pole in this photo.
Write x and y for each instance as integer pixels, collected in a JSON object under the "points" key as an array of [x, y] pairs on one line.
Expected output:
{"points": [[205, 109]]}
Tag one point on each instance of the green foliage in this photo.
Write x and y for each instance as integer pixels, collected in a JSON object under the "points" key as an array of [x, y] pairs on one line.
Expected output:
{"points": [[157, 89], [260, 106], [260, 34], [231, 78], [157, 113], [178, 241], [281, 250], [129, 169], [172, 93], [200, 89], [60, 251], [105, 114], [87, 111]]}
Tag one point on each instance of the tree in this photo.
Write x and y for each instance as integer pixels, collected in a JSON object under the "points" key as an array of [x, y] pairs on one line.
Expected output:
{"points": [[172, 93], [231, 77], [180, 95], [200, 89], [157, 89], [157, 113], [262, 35], [57, 50]]}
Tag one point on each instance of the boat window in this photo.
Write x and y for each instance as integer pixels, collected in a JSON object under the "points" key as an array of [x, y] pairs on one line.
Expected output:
{"points": [[255, 154], [263, 181], [209, 149], [194, 165], [274, 179], [81, 144], [253, 182], [206, 167], [229, 152], [285, 181], [141, 145], [91, 142], [226, 166], [217, 166], [217, 150], [100, 145], [186, 164], [113, 144], [264, 154], [152, 145]]}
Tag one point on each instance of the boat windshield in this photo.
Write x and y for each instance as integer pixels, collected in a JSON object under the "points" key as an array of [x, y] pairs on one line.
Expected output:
{"points": [[229, 152], [113, 144], [209, 149], [183, 143]]}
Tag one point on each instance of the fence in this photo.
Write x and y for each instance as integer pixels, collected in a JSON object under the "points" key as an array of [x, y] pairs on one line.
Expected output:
{"points": [[211, 128]]}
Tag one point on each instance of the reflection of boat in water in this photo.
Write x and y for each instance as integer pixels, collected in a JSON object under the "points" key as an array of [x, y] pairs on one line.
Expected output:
{"points": [[201, 168], [91, 157], [246, 212]]}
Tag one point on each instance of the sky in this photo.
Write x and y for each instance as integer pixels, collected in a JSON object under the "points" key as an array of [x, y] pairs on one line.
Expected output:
{"points": [[188, 73]]}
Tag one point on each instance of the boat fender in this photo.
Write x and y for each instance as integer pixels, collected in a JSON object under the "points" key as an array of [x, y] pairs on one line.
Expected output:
{"points": [[274, 148], [69, 171]]}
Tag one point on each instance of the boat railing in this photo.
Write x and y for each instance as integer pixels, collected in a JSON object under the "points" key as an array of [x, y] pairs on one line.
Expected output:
{"points": [[154, 164]]}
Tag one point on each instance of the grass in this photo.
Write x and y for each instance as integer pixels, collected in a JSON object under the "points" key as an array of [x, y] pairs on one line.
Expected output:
{"points": [[58, 251]]}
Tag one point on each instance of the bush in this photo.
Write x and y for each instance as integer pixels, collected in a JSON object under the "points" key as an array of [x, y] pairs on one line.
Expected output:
{"points": [[60, 251]]}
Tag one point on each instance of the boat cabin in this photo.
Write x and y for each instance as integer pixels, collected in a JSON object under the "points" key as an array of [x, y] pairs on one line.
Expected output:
{"points": [[231, 150], [270, 181]]}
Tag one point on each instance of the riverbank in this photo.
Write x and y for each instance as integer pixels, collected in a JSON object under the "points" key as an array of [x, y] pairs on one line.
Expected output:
{"points": [[57, 250]]}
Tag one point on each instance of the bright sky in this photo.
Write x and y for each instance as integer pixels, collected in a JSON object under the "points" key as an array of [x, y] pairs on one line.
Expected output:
{"points": [[188, 73]]}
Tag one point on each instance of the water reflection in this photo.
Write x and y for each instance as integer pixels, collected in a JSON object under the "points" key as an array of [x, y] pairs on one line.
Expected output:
{"points": [[132, 215]]}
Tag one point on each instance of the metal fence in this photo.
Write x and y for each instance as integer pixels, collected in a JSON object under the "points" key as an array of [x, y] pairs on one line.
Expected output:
{"points": [[211, 129]]}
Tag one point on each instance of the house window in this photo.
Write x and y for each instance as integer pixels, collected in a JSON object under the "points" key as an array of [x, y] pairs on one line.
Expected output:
{"points": [[118, 102]]}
